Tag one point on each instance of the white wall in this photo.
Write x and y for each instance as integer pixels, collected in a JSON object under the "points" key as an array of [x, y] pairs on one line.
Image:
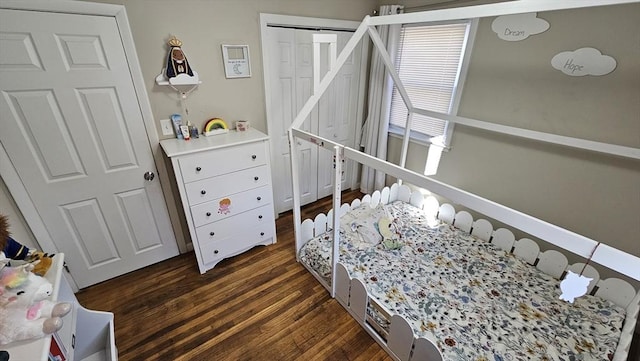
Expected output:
{"points": [[203, 26]]}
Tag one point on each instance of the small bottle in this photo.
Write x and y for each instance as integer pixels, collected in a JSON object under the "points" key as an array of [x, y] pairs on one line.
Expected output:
{"points": [[176, 120], [193, 130], [185, 132]]}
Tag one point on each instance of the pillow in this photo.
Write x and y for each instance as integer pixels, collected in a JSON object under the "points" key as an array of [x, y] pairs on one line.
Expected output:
{"points": [[361, 225]]}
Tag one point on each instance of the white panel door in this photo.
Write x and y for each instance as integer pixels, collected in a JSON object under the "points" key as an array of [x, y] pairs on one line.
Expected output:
{"points": [[290, 59], [73, 129], [291, 84]]}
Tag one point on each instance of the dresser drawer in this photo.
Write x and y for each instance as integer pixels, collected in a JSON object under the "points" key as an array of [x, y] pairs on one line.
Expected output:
{"points": [[204, 165], [211, 188], [244, 239], [230, 205], [231, 226]]}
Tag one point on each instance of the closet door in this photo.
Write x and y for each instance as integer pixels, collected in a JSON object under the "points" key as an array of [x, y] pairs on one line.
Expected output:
{"points": [[290, 57], [291, 83]]}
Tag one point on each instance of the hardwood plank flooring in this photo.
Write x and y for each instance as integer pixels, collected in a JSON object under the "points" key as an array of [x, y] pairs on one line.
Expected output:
{"points": [[260, 305]]}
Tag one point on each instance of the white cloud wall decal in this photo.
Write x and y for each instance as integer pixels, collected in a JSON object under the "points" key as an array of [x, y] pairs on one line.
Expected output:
{"points": [[583, 61], [519, 26]]}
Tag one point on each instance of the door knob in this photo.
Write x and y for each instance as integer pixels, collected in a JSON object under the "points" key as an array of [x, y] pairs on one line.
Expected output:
{"points": [[149, 176]]}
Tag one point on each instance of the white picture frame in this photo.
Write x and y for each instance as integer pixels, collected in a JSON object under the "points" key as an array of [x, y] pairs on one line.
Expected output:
{"points": [[236, 61]]}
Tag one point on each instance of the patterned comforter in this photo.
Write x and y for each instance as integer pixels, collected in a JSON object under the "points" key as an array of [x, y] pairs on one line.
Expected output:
{"points": [[473, 300]]}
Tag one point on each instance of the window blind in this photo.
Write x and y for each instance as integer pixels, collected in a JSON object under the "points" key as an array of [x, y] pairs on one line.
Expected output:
{"points": [[428, 62]]}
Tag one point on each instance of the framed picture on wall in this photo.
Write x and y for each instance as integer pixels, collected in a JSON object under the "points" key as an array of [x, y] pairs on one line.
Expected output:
{"points": [[236, 61]]}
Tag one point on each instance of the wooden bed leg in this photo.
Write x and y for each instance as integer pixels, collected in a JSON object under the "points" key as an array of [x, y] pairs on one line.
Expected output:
{"points": [[400, 338]]}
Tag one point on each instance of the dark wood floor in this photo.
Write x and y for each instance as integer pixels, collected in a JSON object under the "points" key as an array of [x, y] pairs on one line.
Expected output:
{"points": [[260, 305]]}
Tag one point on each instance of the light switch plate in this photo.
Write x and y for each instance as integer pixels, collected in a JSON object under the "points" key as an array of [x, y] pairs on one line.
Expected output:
{"points": [[167, 129]]}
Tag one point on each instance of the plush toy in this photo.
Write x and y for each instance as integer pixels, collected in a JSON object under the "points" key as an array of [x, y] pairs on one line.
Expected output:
{"points": [[12, 249], [390, 238], [25, 311]]}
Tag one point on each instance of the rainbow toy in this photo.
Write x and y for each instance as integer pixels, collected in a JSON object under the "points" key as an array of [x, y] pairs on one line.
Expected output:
{"points": [[215, 126]]}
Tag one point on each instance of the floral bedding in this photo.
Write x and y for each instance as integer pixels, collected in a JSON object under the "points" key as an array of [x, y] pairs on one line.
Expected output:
{"points": [[473, 300]]}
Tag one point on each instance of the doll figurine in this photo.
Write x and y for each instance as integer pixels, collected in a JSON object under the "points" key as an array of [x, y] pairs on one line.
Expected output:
{"points": [[176, 60], [10, 249], [8, 246]]}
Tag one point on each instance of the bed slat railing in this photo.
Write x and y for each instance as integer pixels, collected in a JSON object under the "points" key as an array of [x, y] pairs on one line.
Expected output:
{"points": [[616, 291], [504, 239], [463, 221], [321, 224], [446, 213], [587, 271], [527, 250], [482, 229], [401, 337], [424, 349], [552, 263], [343, 285]]}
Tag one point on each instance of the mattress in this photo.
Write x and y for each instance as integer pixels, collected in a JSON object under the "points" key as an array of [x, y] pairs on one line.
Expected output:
{"points": [[473, 300]]}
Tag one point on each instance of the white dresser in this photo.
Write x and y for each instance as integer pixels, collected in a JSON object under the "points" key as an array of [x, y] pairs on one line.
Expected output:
{"points": [[225, 186]]}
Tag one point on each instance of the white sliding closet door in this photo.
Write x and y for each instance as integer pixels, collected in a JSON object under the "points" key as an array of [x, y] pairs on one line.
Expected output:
{"points": [[289, 55]]}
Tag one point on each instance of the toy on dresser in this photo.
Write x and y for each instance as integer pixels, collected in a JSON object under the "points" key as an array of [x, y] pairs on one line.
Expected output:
{"points": [[25, 311]]}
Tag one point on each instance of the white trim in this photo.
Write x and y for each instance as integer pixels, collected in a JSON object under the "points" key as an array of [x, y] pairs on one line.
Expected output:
{"points": [[267, 19], [64, 6], [502, 8]]}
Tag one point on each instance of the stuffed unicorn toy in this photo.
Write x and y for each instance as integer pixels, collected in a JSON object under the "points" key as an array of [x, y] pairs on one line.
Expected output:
{"points": [[25, 311]]}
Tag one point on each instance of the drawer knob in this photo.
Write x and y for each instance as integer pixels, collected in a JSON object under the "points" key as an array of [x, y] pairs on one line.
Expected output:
{"points": [[208, 214], [253, 157], [259, 198], [198, 169], [260, 216], [262, 233], [255, 178], [211, 233], [203, 192], [216, 251]]}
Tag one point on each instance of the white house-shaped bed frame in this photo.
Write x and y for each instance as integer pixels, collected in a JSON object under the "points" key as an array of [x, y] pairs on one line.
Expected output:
{"points": [[607, 256]]}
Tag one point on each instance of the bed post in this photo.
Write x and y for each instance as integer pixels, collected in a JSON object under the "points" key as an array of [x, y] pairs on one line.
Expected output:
{"points": [[293, 151], [318, 39], [338, 159], [386, 59]]}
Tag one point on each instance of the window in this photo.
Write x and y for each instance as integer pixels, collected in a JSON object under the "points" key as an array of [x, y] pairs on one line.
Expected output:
{"points": [[429, 62]]}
